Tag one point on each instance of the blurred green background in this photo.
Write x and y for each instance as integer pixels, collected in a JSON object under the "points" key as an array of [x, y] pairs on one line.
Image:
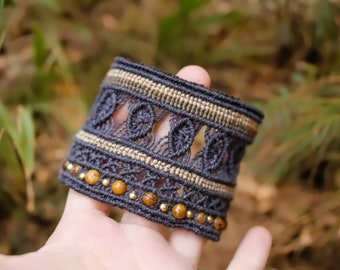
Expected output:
{"points": [[280, 55]]}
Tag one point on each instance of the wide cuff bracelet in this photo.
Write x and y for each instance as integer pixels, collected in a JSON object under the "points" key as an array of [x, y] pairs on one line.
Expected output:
{"points": [[183, 179]]}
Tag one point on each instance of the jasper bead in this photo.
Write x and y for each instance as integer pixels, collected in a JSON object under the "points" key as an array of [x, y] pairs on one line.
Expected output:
{"points": [[220, 223], [76, 169], [179, 211], [66, 163], [119, 187], [92, 177], [201, 217], [150, 199]]}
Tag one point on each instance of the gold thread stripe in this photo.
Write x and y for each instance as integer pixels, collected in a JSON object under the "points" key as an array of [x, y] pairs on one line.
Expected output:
{"points": [[159, 165], [180, 100]]}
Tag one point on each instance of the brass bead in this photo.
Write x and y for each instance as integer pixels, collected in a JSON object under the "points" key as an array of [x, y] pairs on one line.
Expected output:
{"points": [[69, 166], [220, 223], [179, 211], [190, 214], [201, 217], [133, 195], [105, 182], [76, 169], [210, 219], [164, 207], [119, 187], [82, 176], [92, 177], [150, 199]]}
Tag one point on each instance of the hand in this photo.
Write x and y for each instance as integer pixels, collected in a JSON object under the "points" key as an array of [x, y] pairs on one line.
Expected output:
{"points": [[86, 238]]}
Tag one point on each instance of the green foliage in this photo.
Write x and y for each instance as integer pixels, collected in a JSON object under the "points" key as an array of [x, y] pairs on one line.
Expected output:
{"points": [[283, 54], [302, 129], [176, 25], [325, 22], [191, 24], [2, 27], [39, 48], [22, 135]]}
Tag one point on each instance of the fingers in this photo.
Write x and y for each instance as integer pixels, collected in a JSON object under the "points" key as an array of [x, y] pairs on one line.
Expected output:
{"points": [[79, 202], [184, 242], [188, 245], [253, 252], [130, 218], [194, 74]]}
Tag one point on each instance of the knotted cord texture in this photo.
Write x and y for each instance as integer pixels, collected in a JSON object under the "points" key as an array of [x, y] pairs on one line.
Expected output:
{"points": [[184, 179]]}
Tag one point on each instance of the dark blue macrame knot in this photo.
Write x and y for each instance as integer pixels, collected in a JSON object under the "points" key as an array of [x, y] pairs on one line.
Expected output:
{"points": [[182, 178], [140, 121], [104, 109], [181, 137]]}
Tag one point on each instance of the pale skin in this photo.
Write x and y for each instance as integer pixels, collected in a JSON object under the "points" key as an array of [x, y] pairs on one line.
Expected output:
{"points": [[86, 238]]}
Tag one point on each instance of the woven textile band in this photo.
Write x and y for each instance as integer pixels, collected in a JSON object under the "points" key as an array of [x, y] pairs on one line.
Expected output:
{"points": [[186, 178]]}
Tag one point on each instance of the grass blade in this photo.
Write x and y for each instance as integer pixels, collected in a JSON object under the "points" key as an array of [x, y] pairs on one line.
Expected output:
{"points": [[22, 135]]}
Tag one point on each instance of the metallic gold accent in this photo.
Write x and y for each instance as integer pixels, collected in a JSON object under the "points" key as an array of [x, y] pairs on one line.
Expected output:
{"points": [[133, 195], [210, 219], [82, 176], [175, 98], [190, 214], [69, 166], [106, 182], [164, 207], [160, 165]]}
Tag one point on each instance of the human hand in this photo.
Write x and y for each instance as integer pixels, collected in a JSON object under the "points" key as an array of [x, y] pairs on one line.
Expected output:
{"points": [[86, 238]]}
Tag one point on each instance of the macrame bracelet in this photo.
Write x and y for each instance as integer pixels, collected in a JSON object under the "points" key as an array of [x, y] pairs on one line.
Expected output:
{"points": [[185, 179]]}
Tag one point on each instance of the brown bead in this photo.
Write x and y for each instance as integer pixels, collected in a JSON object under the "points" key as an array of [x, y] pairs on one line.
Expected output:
{"points": [[92, 177], [164, 207], [119, 187], [65, 164], [76, 169], [220, 223], [201, 217], [179, 211], [150, 199]]}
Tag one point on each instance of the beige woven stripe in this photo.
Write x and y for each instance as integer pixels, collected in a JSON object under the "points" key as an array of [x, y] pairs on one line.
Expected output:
{"points": [[159, 165], [175, 98]]}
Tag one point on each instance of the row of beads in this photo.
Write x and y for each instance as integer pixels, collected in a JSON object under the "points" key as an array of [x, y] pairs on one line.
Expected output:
{"points": [[157, 164], [119, 188]]}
